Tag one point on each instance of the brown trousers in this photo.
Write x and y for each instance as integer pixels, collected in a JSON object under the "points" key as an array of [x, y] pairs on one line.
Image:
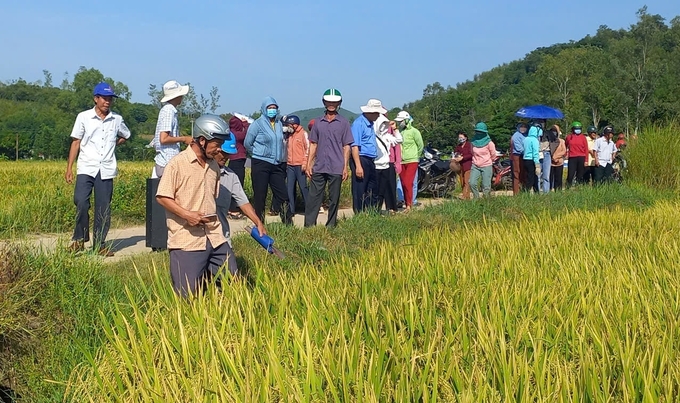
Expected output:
{"points": [[518, 173], [465, 184]]}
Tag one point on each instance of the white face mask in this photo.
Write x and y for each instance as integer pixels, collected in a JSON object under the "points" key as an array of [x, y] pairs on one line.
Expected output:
{"points": [[577, 131]]}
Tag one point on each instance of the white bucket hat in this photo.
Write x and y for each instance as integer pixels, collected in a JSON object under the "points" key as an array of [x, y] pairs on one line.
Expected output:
{"points": [[172, 89], [403, 115], [373, 106]]}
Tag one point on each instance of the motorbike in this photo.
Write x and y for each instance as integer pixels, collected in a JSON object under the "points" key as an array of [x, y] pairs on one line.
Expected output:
{"points": [[502, 172], [434, 174], [619, 165]]}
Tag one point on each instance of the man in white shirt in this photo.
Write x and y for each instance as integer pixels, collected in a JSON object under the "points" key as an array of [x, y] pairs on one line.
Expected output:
{"points": [[167, 138], [95, 135], [604, 154]]}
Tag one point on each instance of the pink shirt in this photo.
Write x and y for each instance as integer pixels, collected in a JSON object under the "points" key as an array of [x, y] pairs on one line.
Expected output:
{"points": [[484, 156]]}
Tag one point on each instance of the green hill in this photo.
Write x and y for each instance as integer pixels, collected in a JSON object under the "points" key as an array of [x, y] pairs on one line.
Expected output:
{"points": [[627, 78], [309, 114]]}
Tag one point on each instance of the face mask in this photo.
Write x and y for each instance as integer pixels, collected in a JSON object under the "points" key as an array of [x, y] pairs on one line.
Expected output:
{"points": [[271, 113], [461, 141], [577, 131], [402, 124]]}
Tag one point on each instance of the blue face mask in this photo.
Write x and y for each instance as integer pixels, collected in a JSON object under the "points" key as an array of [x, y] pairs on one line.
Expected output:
{"points": [[271, 113], [577, 131]]}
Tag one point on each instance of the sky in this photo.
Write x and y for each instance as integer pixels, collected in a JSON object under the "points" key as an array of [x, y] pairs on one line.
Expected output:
{"points": [[294, 50]]}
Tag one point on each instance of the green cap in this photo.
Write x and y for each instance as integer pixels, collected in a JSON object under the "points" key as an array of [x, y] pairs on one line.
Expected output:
{"points": [[481, 127], [332, 95], [577, 124]]}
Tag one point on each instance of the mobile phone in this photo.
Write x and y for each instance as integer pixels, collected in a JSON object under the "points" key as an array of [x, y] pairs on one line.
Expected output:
{"points": [[211, 216]]}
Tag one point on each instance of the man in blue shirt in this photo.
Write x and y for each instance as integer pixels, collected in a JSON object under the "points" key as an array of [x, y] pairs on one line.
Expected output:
{"points": [[516, 153], [364, 150]]}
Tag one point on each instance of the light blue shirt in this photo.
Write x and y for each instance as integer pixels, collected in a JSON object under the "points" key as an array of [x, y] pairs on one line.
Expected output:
{"points": [[364, 137], [518, 143]]}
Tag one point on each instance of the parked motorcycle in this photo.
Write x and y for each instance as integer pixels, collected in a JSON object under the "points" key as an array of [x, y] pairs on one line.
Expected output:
{"points": [[502, 172], [434, 174], [620, 164]]}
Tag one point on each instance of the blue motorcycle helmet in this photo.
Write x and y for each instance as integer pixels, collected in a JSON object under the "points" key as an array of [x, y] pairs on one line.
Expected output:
{"points": [[229, 145], [291, 120]]}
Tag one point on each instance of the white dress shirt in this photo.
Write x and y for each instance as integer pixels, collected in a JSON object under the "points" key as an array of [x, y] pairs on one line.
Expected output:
{"points": [[605, 150], [98, 139]]}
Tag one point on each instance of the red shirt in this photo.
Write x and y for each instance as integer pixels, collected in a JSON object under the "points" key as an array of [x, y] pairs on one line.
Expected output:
{"points": [[577, 144], [466, 151]]}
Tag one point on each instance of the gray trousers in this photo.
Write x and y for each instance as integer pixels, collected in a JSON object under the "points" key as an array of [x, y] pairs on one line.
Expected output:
{"points": [[485, 173], [103, 191], [191, 269], [317, 187]]}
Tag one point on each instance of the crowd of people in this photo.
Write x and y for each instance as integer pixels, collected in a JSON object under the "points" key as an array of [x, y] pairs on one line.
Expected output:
{"points": [[538, 156], [201, 188]]}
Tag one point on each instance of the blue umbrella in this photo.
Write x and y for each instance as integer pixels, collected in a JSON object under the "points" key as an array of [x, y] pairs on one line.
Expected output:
{"points": [[539, 112]]}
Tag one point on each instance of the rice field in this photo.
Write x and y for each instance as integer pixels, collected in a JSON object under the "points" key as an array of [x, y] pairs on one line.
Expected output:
{"points": [[36, 198], [570, 306]]}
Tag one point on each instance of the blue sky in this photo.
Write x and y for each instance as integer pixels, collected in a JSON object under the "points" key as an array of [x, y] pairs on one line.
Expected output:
{"points": [[294, 50]]}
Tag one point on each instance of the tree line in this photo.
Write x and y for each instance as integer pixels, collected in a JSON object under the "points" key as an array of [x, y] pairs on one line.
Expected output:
{"points": [[36, 118], [627, 78]]}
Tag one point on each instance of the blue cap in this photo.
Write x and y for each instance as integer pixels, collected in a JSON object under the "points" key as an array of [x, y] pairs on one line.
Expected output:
{"points": [[229, 145], [105, 90]]}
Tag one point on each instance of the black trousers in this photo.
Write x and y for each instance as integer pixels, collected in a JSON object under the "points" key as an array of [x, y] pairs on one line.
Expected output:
{"points": [[556, 173], [103, 192], [263, 176], [530, 178], [317, 190], [575, 170], [239, 168], [603, 173], [589, 174], [364, 190], [387, 185]]}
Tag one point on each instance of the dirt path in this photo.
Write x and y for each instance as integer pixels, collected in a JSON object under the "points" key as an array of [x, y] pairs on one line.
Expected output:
{"points": [[130, 241], [126, 242]]}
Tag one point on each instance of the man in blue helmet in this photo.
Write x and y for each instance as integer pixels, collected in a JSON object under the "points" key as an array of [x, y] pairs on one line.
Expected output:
{"points": [[231, 192]]}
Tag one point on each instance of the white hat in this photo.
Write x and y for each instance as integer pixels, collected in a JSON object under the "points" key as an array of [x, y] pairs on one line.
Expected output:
{"points": [[403, 115], [373, 106], [243, 117], [172, 89]]}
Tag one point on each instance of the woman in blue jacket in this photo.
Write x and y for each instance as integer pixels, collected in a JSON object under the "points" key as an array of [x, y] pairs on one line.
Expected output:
{"points": [[531, 158], [266, 144]]}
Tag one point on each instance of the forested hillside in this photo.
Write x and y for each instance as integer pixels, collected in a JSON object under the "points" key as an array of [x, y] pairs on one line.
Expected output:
{"points": [[38, 117], [628, 78]]}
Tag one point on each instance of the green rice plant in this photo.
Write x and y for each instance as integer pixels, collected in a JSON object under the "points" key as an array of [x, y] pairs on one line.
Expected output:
{"points": [[652, 158], [510, 311]]}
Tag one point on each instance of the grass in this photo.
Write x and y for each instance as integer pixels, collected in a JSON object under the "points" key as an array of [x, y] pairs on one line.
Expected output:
{"points": [[378, 308], [652, 158], [36, 198], [511, 310]]}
